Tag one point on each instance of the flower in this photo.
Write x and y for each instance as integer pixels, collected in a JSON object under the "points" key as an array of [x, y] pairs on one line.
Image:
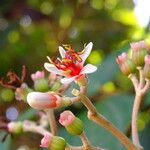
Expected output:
{"points": [[46, 140], [37, 75], [39, 100], [71, 64], [66, 118]]}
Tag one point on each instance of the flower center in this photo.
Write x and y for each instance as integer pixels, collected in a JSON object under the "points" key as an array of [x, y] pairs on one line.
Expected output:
{"points": [[71, 63]]}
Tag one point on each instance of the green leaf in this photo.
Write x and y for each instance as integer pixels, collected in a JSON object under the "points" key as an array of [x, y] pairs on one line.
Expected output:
{"points": [[145, 136], [106, 71], [118, 110], [27, 114], [6, 144]]}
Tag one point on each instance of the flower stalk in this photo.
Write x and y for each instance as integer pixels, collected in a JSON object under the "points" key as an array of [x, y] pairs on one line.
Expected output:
{"points": [[52, 121], [102, 121], [141, 86]]}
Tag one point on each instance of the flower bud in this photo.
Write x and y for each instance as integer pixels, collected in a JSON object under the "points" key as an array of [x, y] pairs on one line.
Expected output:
{"points": [[54, 143], [138, 52], [40, 83], [38, 75], [126, 65], [7, 95], [21, 92], [57, 143], [15, 127], [147, 67], [72, 124], [46, 140], [39, 100]]}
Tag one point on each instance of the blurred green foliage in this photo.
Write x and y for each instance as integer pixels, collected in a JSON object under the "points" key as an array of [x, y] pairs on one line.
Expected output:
{"points": [[32, 29]]}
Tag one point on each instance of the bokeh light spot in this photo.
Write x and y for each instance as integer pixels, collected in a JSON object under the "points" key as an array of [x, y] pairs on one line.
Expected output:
{"points": [[25, 21], [13, 36], [11, 113], [46, 8], [108, 87], [96, 57]]}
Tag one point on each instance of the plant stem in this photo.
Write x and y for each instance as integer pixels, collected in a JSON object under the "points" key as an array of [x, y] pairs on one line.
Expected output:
{"points": [[136, 107], [141, 88], [52, 121], [102, 121], [85, 141], [29, 126]]}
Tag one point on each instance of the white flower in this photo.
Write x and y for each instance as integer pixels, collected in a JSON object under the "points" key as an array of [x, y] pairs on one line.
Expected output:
{"points": [[71, 64]]}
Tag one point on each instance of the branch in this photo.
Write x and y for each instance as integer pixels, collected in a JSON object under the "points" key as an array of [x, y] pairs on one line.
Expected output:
{"points": [[134, 80], [102, 121], [141, 78], [52, 121], [30, 126]]}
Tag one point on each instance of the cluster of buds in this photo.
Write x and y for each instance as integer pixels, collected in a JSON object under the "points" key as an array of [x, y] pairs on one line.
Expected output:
{"points": [[72, 124], [139, 58], [44, 97]]}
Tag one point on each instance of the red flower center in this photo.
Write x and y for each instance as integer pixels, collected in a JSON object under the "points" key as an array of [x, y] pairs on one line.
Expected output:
{"points": [[70, 64]]}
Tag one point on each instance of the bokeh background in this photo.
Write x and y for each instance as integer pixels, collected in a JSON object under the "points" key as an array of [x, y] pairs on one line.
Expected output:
{"points": [[30, 30]]}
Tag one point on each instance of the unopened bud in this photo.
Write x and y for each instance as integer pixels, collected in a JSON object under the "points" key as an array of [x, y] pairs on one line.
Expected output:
{"points": [[7, 95], [21, 92], [15, 127], [39, 100], [147, 67], [72, 124], [54, 143], [58, 143], [139, 50], [40, 83], [46, 140], [126, 65]]}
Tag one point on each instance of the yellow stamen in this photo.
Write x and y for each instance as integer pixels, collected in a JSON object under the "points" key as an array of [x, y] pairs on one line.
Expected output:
{"points": [[50, 60]]}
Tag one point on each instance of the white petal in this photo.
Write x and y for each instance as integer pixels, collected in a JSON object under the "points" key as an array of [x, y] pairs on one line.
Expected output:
{"points": [[68, 80], [38, 100], [62, 51], [89, 68], [52, 68], [87, 51]]}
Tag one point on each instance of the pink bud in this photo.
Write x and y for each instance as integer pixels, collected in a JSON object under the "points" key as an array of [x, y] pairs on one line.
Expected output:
{"points": [[11, 126], [37, 75], [135, 46], [15, 127], [46, 140], [39, 100], [147, 59], [121, 58], [66, 118]]}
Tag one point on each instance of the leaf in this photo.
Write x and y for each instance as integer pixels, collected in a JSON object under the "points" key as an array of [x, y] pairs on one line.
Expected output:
{"points": [[145, 136], [106, 71], [6, 144], [27, 114], [118, 110]]}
